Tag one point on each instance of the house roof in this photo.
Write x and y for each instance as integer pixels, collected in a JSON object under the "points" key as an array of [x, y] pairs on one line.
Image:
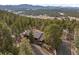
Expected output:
{"points": [[36, 33]]}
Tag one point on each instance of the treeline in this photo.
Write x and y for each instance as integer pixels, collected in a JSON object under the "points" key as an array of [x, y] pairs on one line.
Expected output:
{"points": [[52, 12], [11, 24]]}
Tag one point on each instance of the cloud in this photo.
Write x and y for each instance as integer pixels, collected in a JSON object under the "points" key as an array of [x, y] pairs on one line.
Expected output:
{"points": [[41, 2]]}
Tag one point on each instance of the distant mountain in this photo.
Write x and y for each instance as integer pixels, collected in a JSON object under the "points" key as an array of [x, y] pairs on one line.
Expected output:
{"points": [[20, 7], [33, 7], [40, 10]]}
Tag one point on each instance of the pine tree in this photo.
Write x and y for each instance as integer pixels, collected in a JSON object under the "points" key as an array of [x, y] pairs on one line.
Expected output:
{"points": [[25, 47], [7, 42]]}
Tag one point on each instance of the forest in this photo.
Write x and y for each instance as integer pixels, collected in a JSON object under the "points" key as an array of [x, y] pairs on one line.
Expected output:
{"points": [[12, 24]]}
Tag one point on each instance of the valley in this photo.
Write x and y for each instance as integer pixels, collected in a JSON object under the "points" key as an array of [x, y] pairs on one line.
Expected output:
{"points": [[39, 30]]}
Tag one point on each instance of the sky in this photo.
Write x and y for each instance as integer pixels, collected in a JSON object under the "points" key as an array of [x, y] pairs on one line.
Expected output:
{"points": [[74, 3]]}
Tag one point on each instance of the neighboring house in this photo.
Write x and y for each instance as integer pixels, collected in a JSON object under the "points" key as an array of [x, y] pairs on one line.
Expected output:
{"points": [[37, 34]]}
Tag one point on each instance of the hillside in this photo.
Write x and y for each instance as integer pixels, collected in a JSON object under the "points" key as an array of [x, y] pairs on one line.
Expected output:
{"points": [[42, 10], [12, 41]]}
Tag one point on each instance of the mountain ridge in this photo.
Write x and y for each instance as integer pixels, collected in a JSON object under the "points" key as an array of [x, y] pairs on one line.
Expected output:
{"points": [[28, 6]]}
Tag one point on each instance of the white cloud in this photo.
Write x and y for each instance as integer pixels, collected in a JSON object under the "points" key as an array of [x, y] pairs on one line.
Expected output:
{"points": [[41, 2]]}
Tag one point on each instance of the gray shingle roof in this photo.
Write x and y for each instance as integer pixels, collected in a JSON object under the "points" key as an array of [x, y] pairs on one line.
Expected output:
{"points": [[36, 33]]}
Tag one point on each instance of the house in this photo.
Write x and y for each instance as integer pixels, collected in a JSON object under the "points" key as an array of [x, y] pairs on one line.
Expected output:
{"points": [[37, 34]]}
